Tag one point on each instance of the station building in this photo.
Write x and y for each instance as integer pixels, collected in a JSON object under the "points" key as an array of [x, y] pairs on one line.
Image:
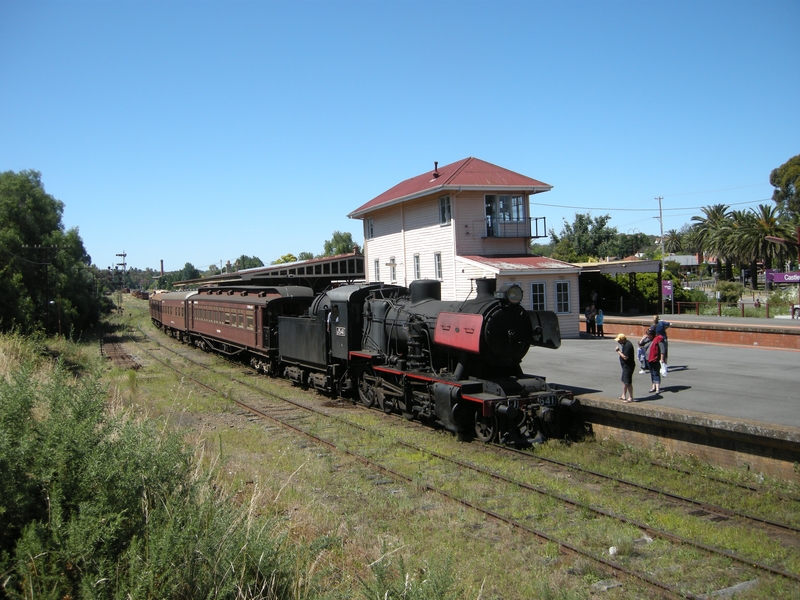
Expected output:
{"points": [[465, 221]]}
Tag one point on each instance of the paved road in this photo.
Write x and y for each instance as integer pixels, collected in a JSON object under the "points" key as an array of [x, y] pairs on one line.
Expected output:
{"points": [[757, 384]]}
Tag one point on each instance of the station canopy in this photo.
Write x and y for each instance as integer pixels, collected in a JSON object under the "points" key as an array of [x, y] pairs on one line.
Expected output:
{"points": [[316, 273]]}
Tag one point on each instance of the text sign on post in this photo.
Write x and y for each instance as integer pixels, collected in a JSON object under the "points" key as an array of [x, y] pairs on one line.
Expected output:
{"points": [[666, 288], [793, 277]]}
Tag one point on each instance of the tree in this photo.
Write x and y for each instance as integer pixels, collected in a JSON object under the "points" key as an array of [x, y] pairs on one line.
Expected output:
{"points": [[589, 237], [305, 256], [248, 262], [711, 231], [45, 272], [286, 258], [786, 181], [673, 241], [340, 243]]}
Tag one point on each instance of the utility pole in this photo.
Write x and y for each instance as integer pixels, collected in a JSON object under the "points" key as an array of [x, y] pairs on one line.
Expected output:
{"points": [[46, 264], [663, 262], [122, 284]]}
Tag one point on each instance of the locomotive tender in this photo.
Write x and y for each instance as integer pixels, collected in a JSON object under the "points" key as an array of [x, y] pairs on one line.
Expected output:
{"points": [[399, 349]]}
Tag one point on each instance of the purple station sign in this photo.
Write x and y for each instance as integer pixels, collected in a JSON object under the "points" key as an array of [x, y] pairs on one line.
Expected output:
{"points": [[778, 277], [666, 288]]}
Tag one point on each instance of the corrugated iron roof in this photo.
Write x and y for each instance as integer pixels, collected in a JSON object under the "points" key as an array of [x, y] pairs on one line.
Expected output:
{"points": [[521, 262], [469, 173]]}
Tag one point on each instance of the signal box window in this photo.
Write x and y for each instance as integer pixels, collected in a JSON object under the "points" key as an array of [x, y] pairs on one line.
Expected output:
{"points": [[417, 270], [437, 265], [444, 210], [368, 228]]}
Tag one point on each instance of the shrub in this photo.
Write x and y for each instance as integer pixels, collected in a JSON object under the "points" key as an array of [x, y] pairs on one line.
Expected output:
{"points": [[97, 506]]}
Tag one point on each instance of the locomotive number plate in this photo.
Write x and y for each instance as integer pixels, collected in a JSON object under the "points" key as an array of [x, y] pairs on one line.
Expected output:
{"points": [[340, 332]]}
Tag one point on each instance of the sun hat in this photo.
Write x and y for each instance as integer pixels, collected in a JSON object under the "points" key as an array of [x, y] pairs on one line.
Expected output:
{"points": [[620, 337]]}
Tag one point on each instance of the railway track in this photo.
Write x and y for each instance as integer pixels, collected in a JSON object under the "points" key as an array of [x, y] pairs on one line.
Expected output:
{"points": [[489, 492]]}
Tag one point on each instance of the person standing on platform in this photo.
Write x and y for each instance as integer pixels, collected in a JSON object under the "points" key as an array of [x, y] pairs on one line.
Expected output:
{"points": [[598, 320], [661, 329], [590, 315], [654, 356], [624, 350]]}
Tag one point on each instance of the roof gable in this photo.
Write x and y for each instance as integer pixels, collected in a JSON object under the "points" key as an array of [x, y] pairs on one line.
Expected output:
{"points": [[469, 173]]}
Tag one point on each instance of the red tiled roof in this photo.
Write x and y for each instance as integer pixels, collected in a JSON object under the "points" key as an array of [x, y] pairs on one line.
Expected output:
{"points": [[470, 173], [520, 262]]}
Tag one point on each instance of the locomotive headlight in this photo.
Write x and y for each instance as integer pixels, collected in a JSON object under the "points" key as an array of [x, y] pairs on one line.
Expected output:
{"points": [[510, 292]]}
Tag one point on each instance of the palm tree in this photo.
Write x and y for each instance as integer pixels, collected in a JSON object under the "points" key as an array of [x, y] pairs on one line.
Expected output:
{"points": [[711, 232], [766, 221], [673, 241], [744, 242]]}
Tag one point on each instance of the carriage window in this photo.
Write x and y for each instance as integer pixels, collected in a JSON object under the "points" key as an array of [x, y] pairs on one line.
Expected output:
{"points": [[227, 318], [249, 320]]}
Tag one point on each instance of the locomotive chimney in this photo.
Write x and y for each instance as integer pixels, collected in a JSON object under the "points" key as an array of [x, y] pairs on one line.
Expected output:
{"points": [[486, 288], [425, 289]]}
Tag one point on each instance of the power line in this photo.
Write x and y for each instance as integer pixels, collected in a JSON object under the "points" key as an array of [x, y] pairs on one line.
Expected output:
{"points": [[640, 209]]}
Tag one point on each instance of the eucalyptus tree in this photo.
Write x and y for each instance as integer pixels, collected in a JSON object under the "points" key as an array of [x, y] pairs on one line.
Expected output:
{"points": [[588, 236], [46, 275], [786, 181]]}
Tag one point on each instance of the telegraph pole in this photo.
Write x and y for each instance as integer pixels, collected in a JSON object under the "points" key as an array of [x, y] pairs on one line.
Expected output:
{"points": [[123, 265], [46, 264], [663, 261]]}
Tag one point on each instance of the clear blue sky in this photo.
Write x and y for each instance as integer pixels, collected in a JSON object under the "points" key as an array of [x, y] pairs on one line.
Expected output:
{"points": [[201, 131]]}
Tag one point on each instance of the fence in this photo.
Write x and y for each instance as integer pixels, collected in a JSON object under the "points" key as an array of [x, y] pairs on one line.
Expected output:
{"points": [[739, 309]]}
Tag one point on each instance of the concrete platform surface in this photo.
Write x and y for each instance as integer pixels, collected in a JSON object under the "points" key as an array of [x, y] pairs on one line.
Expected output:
{"points": [[738, 383]]}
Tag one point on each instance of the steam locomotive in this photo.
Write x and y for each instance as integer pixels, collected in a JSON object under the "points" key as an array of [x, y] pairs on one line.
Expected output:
{"points": [[403, 350]]}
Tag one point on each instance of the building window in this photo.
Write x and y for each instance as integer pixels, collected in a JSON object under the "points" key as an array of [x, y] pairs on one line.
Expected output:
{"points": [[437, 265], [562, 297], [392, 270], [444, 210], [538, 297], [377, 270], [417, 270], [368, 228], [503, 209]]}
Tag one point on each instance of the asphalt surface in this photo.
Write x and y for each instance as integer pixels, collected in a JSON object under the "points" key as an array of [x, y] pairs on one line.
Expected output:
{"points": [[741, 383]]}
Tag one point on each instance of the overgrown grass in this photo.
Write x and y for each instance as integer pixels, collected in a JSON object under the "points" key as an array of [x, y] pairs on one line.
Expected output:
{"points": [[96, 505]]}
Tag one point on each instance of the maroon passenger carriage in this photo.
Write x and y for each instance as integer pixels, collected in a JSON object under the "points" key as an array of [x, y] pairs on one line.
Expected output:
{"points": [[232, 320]]}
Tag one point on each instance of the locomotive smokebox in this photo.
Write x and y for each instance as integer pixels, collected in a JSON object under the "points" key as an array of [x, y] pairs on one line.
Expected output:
{"points": [[485, 288], [423, 290]]}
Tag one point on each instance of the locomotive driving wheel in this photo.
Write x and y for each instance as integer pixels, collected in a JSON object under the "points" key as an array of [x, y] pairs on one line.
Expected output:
{"points": [[366, 392], [485, 428]]}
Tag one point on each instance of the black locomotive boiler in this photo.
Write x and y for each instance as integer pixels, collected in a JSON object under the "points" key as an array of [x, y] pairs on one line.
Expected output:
{"points": [[405, 350]]}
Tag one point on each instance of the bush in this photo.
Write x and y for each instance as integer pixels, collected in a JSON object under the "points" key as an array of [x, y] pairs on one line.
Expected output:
{"points": [[729, 291], [97, 506]]}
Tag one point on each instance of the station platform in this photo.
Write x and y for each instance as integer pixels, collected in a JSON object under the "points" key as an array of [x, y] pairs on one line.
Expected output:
{"points": [[731, 397], [744, 331]]}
